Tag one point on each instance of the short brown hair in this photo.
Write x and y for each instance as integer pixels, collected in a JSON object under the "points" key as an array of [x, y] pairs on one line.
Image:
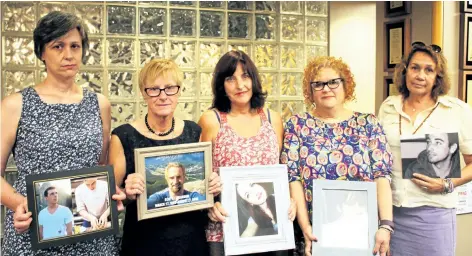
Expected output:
{"points": [[159, 67], [442, 84], [313, 68], [175, 165]]}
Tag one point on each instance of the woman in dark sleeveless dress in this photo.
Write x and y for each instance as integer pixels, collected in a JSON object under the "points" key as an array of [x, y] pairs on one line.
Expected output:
{"points": [[55, 126], [180, 234]]}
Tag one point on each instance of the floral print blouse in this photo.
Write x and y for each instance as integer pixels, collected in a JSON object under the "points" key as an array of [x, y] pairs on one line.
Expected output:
{"points": [[355, 149]]}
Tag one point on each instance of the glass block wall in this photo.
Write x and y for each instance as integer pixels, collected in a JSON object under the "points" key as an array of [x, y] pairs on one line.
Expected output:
{"points": [[279, 36]]}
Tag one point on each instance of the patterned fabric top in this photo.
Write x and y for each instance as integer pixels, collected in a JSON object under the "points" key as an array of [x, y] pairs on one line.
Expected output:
{"points": [[355, 149], [56, 138], [230, 149]]}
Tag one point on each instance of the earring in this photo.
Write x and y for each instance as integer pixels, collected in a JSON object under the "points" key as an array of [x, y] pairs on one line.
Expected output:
{"points": [[313, 105]]}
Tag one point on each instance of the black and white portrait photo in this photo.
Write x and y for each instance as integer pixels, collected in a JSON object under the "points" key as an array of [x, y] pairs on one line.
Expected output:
{"points": [[257, 214], [434, 155], [346, 221]]}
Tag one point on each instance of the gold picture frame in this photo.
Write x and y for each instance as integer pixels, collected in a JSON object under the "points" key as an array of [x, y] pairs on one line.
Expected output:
{"points": [[154, 163]]}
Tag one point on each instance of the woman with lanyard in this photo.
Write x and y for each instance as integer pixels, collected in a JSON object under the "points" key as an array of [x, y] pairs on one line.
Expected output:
{"points": [[424, 207]]}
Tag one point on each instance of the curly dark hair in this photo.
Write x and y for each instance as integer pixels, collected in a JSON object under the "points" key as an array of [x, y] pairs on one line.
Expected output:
{"points": [[226, 67], [442, 83], [55, 25]]}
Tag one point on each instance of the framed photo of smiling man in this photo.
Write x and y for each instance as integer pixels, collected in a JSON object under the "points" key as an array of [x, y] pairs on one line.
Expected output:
{"points": [[257, 199], [176, 179]]}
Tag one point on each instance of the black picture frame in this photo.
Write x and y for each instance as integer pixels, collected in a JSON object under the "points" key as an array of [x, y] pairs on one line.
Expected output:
{"points": [[403, 43], [35, 185], [397, 8], [389, 87], [465, 49], [466, 6], [465, 90]]}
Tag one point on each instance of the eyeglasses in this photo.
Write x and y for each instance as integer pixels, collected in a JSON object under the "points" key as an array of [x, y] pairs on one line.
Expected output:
{"points": [[155, 92], [418, 44], [332, 84]]}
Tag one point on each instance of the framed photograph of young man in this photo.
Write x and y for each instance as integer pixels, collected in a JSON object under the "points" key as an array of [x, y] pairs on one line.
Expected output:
{"points": [[257, 199], [346, 219], [71, 206], [176, 179], [435, 155]]}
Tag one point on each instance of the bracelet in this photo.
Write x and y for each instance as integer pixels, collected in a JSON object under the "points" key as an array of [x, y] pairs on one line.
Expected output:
{"points": [[388, 223], [388, 228], [448, 186]]}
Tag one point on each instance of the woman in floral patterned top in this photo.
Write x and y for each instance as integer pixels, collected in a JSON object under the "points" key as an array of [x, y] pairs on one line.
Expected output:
{"points": [[335, 143]]}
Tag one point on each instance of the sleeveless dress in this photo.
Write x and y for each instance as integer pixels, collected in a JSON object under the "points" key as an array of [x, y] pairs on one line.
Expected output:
{"points": [[230, 149], [173, 235], [56, 138]]}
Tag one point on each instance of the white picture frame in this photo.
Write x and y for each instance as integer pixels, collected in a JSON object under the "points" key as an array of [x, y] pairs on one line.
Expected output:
{"points": [[280, 235], [344, 209]]}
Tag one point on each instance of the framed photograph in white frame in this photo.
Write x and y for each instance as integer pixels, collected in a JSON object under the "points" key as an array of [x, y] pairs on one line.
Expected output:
{"points": [[346, 218], [257, 199]]}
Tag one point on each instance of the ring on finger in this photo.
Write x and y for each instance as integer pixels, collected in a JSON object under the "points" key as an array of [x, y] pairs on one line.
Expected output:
{"points": [[425, 188]]}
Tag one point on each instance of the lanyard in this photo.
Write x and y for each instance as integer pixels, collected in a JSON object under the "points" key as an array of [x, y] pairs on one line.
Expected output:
{"points": [[400, 121]]}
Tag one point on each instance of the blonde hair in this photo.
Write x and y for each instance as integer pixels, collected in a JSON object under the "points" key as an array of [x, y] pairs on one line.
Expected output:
{"points": [[173, 164], [313, 69], [157, 68]]}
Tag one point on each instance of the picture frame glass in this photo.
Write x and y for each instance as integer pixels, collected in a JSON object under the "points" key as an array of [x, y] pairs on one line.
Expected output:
{"points": [[72, 206], [349, 210], [257, 200], [347, 220], [176, 178]]}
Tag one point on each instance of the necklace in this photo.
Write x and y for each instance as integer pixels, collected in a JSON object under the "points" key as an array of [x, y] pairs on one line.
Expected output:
{"points": [[400, 121], [161, 133]]}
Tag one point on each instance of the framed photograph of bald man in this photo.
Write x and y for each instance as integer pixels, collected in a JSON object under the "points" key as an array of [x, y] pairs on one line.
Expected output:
{"points": [[71, 206], [176, 179], [435, 155]]}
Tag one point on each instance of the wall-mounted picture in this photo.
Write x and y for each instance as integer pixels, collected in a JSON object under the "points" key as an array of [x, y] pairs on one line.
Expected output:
{"points": [[176, 179], [257, 199], [397, 8], [390, 88], [397, 39], [465, 47], [347, 220], [466, 6], [465, 86], [435, 155], [72, 206]]}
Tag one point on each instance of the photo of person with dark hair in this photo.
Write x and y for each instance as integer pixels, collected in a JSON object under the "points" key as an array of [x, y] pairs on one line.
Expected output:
{"points": [[257, 214], [345, 211], [438, 159], [55, 220]]}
